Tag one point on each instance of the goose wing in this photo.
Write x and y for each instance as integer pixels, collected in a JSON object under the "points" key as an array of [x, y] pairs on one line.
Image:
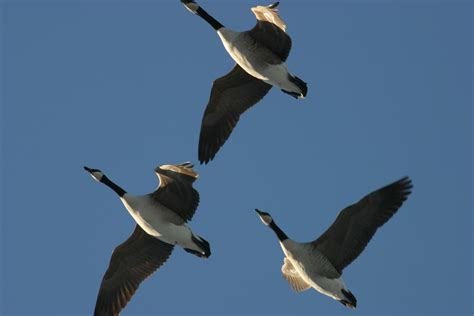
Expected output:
{"points": [[355, 225], [176, 190], [231, 95], [270, 30], [292, 276], [131, 263]]}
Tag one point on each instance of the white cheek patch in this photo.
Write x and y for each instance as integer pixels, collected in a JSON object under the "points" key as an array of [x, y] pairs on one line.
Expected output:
{"points": [[192, 7], [265, 219], [96, 176]]}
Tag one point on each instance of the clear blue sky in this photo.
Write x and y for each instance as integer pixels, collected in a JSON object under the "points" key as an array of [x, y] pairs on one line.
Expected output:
{"points": [[122, 85]]}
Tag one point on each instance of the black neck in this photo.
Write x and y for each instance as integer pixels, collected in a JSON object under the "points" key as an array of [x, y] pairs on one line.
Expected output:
{"points": [[121, 192], [213, 22], [280, 234]]}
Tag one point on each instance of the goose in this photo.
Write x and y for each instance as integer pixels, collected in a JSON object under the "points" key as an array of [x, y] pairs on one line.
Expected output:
{"points": [[260, 54], [161, 218], [319, 264]]}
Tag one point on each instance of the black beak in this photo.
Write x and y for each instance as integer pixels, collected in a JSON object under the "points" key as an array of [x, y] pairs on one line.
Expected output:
{"points": [[258, 212], [88, 169]]}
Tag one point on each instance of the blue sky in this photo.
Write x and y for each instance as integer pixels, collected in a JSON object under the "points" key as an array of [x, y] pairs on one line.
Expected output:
{"points": [[122, 85]]}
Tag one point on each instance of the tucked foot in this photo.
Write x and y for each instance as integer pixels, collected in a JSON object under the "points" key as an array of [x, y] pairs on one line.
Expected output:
{"points": [[195, 252], [293, 94]]}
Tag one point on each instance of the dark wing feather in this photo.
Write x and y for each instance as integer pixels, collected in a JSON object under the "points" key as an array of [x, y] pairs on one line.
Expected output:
{"points": [[356, 224], [176, 191], [231, 95], [131, 263], [270, 31]]}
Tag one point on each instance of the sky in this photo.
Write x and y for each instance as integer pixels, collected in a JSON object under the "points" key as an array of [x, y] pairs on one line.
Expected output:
{"points": [[122, 85]]}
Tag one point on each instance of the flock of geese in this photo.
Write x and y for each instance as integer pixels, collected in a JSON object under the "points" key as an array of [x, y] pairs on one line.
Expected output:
{"points": [[162, 216]]}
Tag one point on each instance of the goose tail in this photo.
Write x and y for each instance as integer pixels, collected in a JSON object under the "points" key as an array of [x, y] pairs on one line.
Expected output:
{"points": [[202, 244], [350, 300], [300, 84]]}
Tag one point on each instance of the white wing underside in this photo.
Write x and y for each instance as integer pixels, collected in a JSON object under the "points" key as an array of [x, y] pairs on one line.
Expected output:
{"points": [[292, 276]]}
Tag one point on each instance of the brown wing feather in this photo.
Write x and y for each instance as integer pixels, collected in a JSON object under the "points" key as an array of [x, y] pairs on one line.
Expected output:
{"points": [[231, 95], [176, 191], [353, 228], [269, 14], [270, 31], [132, 262], [182, 172]]}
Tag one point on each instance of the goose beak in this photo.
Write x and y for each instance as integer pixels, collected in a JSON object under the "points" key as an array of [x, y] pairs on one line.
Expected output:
{"points": [[88, 169], [258, 212], [191, 5]]}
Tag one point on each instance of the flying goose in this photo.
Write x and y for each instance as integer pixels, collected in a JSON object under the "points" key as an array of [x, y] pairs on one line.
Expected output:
{"points": [[161, 218], [260, 54], [319, 264]]}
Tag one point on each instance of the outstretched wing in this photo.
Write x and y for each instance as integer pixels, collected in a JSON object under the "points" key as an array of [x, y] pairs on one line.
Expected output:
{"points": [[353, 228], [231, 95], [270, 30], [292, 276], [131, 263], [176, 190]]}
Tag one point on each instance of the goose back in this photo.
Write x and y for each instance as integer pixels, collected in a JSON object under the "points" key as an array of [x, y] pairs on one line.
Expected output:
{"points": [[270, 31], [175, 191]]}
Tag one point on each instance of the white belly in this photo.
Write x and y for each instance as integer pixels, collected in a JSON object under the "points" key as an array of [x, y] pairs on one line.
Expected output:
{"points": [[329, 287], [307, 271], [242, 54], [152, 222]]}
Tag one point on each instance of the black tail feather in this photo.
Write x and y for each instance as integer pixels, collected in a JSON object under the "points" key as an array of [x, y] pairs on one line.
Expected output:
{"points": [[203, 244], [300, 84], [351, 301]]}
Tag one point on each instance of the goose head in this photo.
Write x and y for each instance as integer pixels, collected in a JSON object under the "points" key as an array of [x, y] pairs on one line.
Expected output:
{"points": [[95, 173], [265, 217], [191, 5]]}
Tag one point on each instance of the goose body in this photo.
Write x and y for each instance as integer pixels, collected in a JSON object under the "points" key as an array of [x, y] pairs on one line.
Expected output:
{"points": [[313, 268], [260, 56], [319, 264], [256, 59], [161, 219]]}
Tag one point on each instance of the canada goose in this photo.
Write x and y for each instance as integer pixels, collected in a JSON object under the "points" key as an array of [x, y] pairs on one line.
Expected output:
{"points": [[161, 218], [319, 264], [260, 54]]}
